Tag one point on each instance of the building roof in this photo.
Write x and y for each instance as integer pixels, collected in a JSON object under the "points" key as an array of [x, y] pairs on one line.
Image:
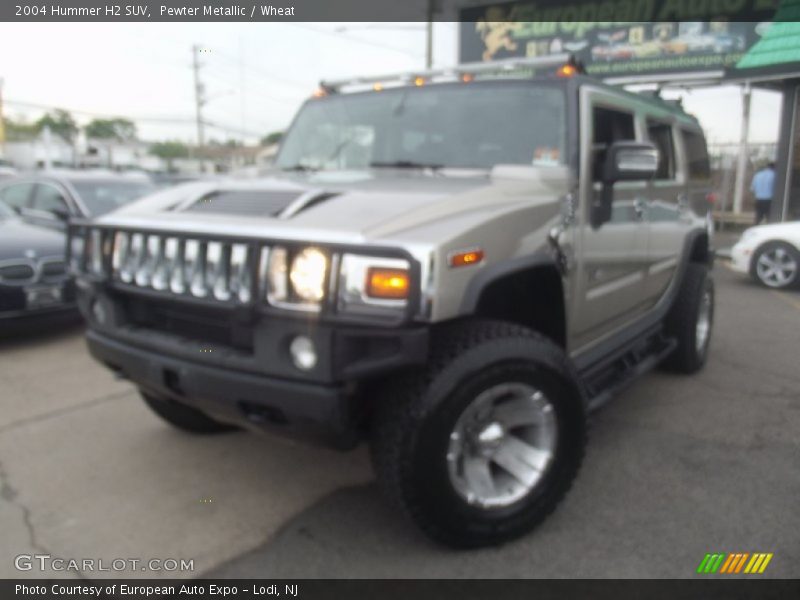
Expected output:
{"points": [[781, 42]]}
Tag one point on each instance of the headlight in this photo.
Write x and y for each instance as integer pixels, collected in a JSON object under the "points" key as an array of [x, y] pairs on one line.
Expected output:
{"points": [[308, 274]]}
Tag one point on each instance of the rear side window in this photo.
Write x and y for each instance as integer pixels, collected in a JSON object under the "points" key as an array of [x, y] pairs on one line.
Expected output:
{"points": [[661, 135], [696, 155], [17, 195]]}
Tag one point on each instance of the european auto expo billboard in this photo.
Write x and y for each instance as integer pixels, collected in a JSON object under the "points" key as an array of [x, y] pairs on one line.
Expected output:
{"points": [[618, 37]]}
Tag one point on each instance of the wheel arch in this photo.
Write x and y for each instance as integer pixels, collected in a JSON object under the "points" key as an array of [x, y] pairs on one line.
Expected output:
{"points": [[528, 291]]}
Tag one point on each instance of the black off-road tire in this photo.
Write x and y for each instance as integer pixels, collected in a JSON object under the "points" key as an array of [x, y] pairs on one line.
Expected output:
{"points": [[184, 417], [682, 320], [415, 415]]}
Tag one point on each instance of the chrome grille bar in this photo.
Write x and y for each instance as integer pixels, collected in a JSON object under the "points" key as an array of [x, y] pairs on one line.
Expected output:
{"points": [[215, 270]]}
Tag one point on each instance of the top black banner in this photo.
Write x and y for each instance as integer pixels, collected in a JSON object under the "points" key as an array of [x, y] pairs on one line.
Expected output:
{"points": [[574, 11]]}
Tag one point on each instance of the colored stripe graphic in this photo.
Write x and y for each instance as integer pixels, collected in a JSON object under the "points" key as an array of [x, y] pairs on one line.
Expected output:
{"points": [[734, 562]]}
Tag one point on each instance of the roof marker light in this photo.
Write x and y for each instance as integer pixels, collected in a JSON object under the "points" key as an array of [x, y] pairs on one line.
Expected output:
{"points": [[419, 81], [377, 87], [567, 70]]}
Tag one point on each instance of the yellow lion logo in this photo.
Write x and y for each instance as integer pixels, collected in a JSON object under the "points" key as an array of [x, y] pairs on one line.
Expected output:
{"points": [[495, 31]]}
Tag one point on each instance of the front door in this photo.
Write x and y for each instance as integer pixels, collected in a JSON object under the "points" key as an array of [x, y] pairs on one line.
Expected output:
{"points": [[609, 279]]}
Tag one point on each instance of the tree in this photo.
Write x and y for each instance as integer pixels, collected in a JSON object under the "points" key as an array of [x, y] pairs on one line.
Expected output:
{"points": [[19, 130], [60, 123], [272, 138], [169, 151], [118, 129]]}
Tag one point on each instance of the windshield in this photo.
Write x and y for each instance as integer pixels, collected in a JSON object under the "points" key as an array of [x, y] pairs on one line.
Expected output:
{"points": [[102, 196], [462, 125]]}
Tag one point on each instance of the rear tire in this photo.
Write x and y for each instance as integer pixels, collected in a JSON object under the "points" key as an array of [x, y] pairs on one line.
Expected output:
{"points": [[184, 417], [690, 321], [427, 473]]}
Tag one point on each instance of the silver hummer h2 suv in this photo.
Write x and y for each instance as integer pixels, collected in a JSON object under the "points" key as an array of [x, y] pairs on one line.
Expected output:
{"points": [[457, 271]]}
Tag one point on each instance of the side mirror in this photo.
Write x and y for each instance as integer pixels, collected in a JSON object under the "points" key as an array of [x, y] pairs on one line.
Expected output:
{"points": [[630, 161], [624, 161], [62, 214]]}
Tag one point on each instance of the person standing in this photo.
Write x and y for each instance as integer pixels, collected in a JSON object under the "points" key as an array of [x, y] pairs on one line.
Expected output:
{"points": [[763, 186]]}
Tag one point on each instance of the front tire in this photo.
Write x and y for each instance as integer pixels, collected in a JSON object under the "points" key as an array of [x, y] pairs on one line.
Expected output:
{"points": [[184, 417], [690, 320], [776, 265], [479, 447]]}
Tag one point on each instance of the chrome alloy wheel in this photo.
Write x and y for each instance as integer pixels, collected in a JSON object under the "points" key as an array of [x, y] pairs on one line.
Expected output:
{"points": [[703, 327], [502, 445], [776, 267]]}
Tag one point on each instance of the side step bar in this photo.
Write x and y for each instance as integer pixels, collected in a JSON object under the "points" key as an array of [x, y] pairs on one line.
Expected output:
{"points": [[605, 380]]}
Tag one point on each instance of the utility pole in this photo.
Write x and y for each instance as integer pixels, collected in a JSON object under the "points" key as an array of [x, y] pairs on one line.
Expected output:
{"points": [[429, 35], [741, 167], [200, 100]]}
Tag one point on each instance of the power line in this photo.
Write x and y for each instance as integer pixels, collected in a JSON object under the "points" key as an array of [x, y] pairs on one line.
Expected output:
{"points": [[88, 113], [357, 39]]}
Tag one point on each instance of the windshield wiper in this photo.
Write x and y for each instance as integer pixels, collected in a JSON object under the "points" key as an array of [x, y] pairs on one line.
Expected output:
{"points": [[404, 164]]}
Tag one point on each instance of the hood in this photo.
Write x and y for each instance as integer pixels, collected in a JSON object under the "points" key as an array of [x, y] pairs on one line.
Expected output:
{"points": [[21, 240], [790, 228], [345, 204]]}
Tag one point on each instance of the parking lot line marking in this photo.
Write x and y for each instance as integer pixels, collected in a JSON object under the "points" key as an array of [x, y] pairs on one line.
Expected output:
{"points": [[792, 302]]}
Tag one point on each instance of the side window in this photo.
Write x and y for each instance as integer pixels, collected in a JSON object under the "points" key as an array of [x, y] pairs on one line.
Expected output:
{"points": [[661, 135], [696, 155], [17, 195], [49, 198], [608, 126]]}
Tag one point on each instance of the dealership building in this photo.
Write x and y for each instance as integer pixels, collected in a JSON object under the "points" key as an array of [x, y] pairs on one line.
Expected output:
{"points": [[669, 45]]}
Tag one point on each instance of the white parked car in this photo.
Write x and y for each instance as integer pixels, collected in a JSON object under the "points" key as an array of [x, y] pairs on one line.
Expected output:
{"points": [[770, 254]]}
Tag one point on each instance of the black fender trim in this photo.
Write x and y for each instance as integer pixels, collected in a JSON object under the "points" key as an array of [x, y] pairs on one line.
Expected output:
{"points": [[489, 275]]}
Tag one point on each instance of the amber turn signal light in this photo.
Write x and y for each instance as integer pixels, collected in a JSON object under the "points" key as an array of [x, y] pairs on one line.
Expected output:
{"points": [[470, 257], [567, 70], [389, 284]]}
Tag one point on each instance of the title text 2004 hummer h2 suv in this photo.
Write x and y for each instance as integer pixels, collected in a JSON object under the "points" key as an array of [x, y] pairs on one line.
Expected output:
{"points": [[458, 271]]}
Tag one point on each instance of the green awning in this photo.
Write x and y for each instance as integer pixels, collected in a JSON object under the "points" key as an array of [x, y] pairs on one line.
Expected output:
{"points": [[781, 42]]}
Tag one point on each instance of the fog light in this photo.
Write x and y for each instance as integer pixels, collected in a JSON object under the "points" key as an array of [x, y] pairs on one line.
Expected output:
{"points": [[304, 354]]}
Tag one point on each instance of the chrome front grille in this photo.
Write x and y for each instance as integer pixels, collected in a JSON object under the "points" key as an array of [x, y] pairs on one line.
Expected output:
{"points": [[207, 269]]}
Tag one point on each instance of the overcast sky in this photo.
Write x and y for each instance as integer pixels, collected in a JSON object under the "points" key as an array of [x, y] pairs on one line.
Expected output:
{"points": [[255, 74]]}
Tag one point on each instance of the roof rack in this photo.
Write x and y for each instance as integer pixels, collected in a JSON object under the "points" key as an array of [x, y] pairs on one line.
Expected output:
{"points": [[454, 72]]}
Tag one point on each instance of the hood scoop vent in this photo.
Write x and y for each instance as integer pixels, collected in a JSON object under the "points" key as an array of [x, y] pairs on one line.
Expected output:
{"points": [[255, 203], [306, 201]]}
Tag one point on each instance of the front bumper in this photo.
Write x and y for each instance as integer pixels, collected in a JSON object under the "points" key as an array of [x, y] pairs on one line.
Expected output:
{"points": [[325, 414], [13, 304], [740, 257]]}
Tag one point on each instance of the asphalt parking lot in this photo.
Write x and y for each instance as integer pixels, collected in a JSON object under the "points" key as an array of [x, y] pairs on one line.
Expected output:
{"points": [[676, 467]]}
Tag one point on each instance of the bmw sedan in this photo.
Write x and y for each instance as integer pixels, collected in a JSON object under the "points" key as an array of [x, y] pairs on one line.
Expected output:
{"points": [[34, 278], [50, 199]]}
